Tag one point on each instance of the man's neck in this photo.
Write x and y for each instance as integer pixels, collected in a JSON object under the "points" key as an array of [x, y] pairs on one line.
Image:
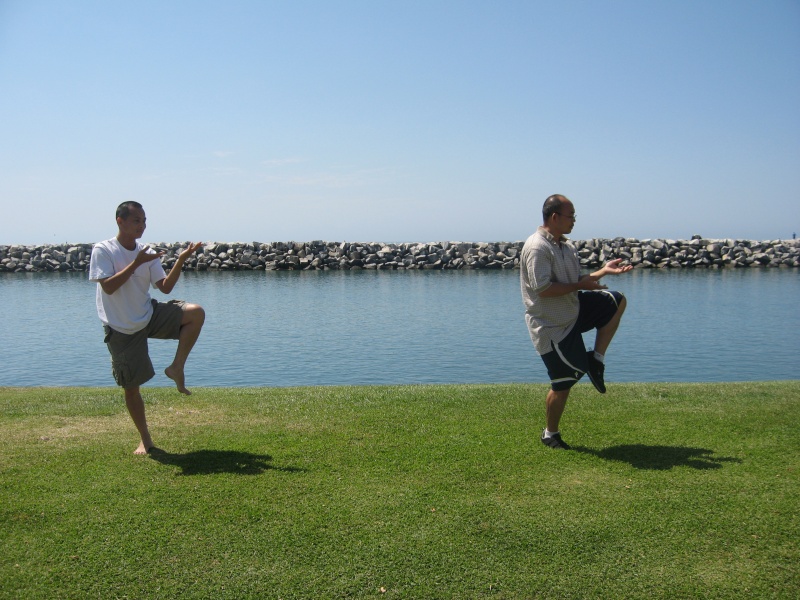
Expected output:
{"points": [[557, 237], [127, 242]]}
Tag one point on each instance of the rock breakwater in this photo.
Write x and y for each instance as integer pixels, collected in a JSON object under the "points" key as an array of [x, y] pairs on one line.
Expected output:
{"points": [[318, 255]]}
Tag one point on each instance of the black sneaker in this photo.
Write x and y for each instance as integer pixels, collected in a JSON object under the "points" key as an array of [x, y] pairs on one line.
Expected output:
{"points": [[595, 372], [555, 441]]}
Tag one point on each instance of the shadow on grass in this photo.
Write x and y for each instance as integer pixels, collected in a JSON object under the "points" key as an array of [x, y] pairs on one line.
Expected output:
{"points": [[209, 462], [660, 458]]}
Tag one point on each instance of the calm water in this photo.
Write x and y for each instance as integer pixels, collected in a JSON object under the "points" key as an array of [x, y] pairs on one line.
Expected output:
{"points": [[377, 327]]}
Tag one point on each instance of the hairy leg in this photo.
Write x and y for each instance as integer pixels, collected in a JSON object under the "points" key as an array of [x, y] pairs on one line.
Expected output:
{"points": [[554, 408], [135, 404], [606, 333], [193, 318]]}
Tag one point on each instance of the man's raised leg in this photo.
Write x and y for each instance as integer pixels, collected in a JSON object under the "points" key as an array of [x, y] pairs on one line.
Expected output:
{"points": [[135, 404], [193, 318], [602, 340], [606, 333]]}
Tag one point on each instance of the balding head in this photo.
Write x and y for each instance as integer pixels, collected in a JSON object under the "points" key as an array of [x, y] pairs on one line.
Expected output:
{"points": [[553, 205]]}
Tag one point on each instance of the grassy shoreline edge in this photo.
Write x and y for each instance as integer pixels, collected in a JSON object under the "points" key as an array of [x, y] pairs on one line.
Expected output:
{"points": [[413, 491]]}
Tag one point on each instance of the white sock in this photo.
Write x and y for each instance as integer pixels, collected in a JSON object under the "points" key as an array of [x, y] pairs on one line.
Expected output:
{"points": [[600, 357], [549, 434]]}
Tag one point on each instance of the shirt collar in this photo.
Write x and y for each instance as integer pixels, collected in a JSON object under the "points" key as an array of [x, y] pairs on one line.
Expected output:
{"points": [[549, 236]]}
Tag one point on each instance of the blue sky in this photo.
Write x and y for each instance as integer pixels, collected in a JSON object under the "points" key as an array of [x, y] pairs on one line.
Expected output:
{"points": [[399, 121]]}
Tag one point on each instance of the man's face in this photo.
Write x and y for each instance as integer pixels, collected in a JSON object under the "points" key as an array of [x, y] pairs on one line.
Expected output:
{"points": [[134, 224], [564, 219]]}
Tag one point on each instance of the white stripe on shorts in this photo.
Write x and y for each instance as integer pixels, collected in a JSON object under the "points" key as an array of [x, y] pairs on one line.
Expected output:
{"points": [[564, 360], [614, 298]]}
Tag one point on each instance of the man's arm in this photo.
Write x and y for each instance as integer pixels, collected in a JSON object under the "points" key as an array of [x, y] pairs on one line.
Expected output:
{"points": [[555, 289], [167, 284], [586, 282], [117, 280]]}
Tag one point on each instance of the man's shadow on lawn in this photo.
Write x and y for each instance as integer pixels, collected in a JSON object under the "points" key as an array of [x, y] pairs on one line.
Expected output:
{"points": [[209, 462], [660, 458]]}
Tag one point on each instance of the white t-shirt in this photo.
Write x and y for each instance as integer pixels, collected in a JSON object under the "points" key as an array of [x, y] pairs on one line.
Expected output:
{"points": [[129, 309]]}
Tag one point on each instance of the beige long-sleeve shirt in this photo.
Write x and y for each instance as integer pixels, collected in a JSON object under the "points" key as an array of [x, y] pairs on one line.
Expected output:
{"points": [[544, 261]]}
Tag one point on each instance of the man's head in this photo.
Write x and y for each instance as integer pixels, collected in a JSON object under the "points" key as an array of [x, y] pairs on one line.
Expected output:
{"points": [[124, 209], [131, 220], [558, 214]]}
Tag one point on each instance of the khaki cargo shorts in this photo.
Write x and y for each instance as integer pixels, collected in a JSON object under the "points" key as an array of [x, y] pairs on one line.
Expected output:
{"points": [[130, 359]]}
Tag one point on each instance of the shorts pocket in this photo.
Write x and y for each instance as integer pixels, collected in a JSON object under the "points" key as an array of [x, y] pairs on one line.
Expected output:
{"points": [[122, 373]]}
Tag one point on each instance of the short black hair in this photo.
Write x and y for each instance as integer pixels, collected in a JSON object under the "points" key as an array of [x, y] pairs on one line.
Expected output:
{"points": [[124, 209], [553, 205]]}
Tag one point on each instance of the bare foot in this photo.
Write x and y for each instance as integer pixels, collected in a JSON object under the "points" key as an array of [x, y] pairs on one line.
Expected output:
{"points": [[177, 376], [144, 448]]}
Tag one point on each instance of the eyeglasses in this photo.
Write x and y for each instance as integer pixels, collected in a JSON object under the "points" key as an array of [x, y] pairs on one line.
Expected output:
{"points": [[573, 217]]}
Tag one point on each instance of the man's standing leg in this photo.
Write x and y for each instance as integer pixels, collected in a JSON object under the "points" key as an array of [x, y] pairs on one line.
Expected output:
{"points": [[191, 323], [554, 408], [135, 404], [561, 368], [555, 403]]}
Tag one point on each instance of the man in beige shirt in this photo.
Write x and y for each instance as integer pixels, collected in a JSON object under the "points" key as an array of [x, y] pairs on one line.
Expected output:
{"points": [[561, 304]]}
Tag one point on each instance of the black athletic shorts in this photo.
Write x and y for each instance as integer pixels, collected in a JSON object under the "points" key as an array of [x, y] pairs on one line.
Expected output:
{"points": [[567, 362]]}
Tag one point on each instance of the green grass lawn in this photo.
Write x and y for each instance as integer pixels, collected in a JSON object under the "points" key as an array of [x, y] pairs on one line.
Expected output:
{"points": [[671, 491]]}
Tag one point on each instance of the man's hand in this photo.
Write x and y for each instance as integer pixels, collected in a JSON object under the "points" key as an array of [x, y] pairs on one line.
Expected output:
{"points": [[613, 267], [590, 282], [190, 249], [168, 283], [145, 256]]}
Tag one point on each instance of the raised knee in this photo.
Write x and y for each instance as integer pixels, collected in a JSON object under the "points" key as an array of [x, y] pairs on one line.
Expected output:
{"points": [[194, 313]]}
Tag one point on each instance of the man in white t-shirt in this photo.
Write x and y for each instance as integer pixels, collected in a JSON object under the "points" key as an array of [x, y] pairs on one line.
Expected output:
{"points": [[124, 270]]}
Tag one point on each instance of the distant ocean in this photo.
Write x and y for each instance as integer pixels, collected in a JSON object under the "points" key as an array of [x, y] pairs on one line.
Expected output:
{"points": [[404, 327]]}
